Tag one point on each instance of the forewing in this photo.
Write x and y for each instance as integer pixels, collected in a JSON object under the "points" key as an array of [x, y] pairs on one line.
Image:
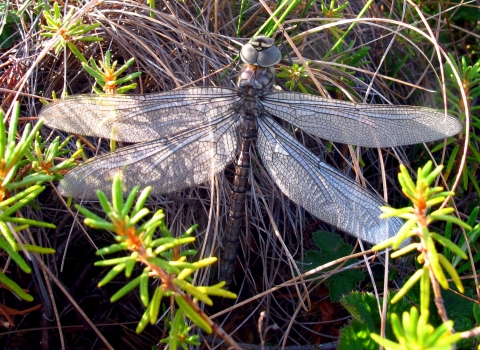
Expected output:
{"points": [[361, 124], [167, 164], [319, 188], [138, 118]]}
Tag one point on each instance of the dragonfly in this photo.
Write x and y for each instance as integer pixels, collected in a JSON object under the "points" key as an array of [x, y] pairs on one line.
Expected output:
{"points": [[182, 137]]}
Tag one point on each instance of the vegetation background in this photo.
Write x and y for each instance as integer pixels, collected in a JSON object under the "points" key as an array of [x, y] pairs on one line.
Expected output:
{"points": [[366, 52]]}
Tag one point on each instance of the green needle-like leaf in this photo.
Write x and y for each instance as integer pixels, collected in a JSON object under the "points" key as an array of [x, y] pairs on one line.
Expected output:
{"points": [[143, 321], [424, 291], [128, 203], [36, 249], [194, 291], [14, 287], [144, 297], [155, 305], [192, 314], [112, 249], [435, 265], [125, 289], [131, 264], [407, 286], [110, 262], [451, 219], [14, 255], [449, 244], [112, 274], [451, 271]]}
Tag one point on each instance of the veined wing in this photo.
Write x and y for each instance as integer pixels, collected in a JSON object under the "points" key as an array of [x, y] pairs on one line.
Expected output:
{"points": [[361, 124], [138, 118], [167, 164], [319, 188]]}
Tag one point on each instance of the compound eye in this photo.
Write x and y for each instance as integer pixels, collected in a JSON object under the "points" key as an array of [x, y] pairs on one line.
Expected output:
{"points": [[249, 54], [269, 57], [261, 52]]}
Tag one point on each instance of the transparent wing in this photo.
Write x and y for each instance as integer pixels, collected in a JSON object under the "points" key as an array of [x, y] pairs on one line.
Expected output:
{"points": [[319, 188], [167, 164], [138, 118], [361, 124]]}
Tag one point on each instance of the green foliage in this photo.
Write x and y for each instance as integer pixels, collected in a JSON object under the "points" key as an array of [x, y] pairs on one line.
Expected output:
{"points": [[460, 311], [21, 180], [151, 3], [67, 30], [349, 58], [470, 79], [337, 47], [282, 9], [331, 11], [423, 197], [414, 332], [332, 247], [9, 33], [21, 166], [365, 320], [107, 77], [136, 237], [295, 73], [472, 239], [179, 334]]}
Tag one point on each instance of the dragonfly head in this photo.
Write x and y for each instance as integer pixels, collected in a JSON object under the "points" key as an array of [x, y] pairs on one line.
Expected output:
{"points": [[261, 52]]}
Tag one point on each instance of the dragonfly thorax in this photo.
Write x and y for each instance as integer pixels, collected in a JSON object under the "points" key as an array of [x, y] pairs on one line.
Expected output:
{"points": [[255, 80]]}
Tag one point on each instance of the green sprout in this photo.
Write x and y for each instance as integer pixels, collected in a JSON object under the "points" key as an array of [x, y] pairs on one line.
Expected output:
{"points": [[295, 73], [107, 77], [67, 30], [418, 219], [162, 259], [19, 186], [414, 332]]}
